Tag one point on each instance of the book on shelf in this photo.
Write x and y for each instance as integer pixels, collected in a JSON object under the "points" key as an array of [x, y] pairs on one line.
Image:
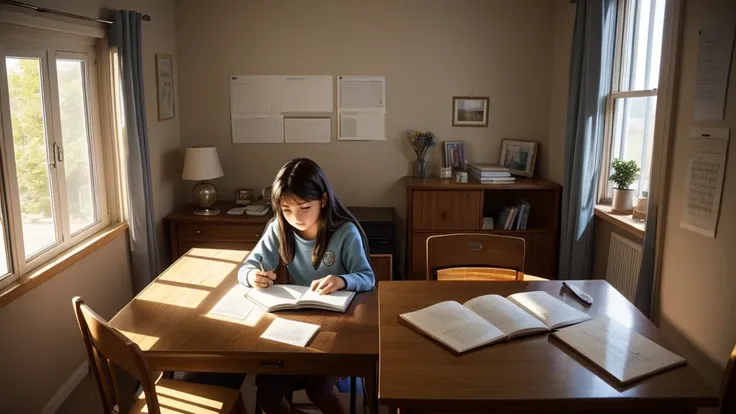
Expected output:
{"points": [[617, 349], [286, 297], [510, 219], [488, 168], [514, 217], [491, 318]]}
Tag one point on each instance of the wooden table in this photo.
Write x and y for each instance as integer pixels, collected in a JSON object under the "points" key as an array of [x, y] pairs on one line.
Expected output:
{"points": [[169, 320], [536, 373]]}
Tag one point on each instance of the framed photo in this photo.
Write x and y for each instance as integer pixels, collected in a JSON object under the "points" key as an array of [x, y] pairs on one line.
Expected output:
{"points": [[455, 155], [243, 197], [519, 156], [165, 86], [470, 111]]}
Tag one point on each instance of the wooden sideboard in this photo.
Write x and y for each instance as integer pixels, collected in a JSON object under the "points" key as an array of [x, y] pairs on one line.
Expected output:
{"points": [[224, 231], [437, 206]]}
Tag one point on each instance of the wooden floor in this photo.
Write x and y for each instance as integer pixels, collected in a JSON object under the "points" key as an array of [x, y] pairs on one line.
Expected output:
{"points": [[86, 398]]}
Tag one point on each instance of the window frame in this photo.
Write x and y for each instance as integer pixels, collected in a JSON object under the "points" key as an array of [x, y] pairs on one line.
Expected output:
{"points": [[70, 46], [624, 29]]}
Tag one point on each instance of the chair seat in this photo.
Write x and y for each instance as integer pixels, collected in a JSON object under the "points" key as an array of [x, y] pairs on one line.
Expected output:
{"points": [[532, 278], [177, 397]]}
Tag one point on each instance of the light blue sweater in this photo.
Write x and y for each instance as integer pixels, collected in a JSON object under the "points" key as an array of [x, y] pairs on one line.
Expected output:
{"points": [[345, 256]]}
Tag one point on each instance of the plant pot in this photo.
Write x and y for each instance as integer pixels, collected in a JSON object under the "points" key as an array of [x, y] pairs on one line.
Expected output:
{"points": [[623, 201], [421, 169]]}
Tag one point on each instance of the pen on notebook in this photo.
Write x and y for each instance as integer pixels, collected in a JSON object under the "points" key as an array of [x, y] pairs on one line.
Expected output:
{"points": [[260, 263]]}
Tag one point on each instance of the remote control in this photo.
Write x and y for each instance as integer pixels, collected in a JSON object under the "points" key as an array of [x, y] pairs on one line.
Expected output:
{"points": [[585, 298]]}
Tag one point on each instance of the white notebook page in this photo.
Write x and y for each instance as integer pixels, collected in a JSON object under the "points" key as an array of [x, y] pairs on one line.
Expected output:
{"points": [[454, 325], [552, 312], [277, 294], [620, 351], [234, 304], [503, 314], [290, 332], [335, 299]]}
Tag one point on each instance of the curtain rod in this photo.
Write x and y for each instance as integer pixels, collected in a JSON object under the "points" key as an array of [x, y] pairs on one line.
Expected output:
{"points": [[61, 13]]}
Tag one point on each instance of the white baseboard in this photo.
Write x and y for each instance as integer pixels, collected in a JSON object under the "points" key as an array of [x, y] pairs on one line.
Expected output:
{"points": [[66, 389]]}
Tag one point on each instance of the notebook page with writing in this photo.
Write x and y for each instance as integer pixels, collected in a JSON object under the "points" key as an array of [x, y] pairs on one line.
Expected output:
{"points": [[617, 349], [454, 325], [554, 313], [336, 301], [290, 332], [504, 315], [233, 304], [276, 296]]}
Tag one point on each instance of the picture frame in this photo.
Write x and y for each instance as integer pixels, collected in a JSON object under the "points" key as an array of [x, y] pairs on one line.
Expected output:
{"points": [[519, 156], [243, 196], [455, 155], [165, 86], [470, 111]]}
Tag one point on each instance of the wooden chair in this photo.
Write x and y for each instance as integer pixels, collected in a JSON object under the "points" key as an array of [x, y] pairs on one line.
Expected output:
{"points": [[728, 386], [475, 257], [109, 351]]}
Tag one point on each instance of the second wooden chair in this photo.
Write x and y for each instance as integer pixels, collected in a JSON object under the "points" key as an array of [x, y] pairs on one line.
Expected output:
{"points": [[475, 257]]}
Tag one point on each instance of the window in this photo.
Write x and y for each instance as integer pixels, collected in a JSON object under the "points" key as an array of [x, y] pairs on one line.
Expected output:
{"points": [[53, 187], [631, 106]]}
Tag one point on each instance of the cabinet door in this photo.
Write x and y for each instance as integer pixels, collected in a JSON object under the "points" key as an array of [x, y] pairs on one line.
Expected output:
{"points": [[446, 210], [382, 265], [212, 232]]}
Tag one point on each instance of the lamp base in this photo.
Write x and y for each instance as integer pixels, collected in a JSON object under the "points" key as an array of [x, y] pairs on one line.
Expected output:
{"points": [[206, 211]]}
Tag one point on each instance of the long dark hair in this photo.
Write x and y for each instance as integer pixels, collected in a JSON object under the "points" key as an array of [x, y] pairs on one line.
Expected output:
{"points": [[303, 178]]}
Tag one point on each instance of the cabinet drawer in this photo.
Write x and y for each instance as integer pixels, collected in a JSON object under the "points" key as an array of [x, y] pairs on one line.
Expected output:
{"points": [[236, 232], [446, 210], [186, 245]]}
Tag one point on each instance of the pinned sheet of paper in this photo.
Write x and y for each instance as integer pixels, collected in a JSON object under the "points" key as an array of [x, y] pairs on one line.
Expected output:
{"points": [[265, 130], [255, 96], [704, 180], [307, 94], [715, 45], [308, 130], [361, 112]]}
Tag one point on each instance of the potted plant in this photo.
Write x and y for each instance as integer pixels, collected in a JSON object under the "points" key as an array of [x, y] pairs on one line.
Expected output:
{"points": [[624, 174]]}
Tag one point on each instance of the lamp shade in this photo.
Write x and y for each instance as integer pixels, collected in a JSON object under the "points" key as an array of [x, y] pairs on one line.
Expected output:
{"points": [[201, 163]]}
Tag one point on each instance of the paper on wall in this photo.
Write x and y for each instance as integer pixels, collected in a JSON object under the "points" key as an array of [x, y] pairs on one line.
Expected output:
{"points": [[312, 130], [255, 96], [715, 45], [307, 94], [257, 130]]}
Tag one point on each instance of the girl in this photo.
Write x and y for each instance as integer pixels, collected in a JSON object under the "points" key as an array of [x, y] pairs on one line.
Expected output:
{"points": [[324, 247]]}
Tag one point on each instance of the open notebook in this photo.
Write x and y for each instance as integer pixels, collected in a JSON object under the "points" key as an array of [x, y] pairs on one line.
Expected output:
{"points": [[620, 351], [283, 297], [491, 318]]}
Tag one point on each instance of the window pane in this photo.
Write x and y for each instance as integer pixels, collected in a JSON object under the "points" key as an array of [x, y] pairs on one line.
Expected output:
{"points": [[75, 136], [31, 153], [643, 48], [4, 264], [633, 135]]}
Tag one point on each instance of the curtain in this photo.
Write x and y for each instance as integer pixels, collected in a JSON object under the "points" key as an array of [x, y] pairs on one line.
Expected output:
{"points": [[591, 67], [125, 36]]}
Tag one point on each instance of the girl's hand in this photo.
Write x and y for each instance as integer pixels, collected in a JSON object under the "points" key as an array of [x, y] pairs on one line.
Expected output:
{"points": [[328, 284], [259, 279]]}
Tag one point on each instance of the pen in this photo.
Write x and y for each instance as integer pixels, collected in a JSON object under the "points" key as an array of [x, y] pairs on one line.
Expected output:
{"points": [[260, 263]]}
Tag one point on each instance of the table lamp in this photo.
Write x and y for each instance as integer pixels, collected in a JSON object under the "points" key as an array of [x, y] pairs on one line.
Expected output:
{"points": [[202, 164]]}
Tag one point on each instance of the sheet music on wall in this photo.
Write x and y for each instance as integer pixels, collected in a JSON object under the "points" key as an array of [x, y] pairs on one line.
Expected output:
{"points": [[704, 180], [715, 45], [361, 108]]}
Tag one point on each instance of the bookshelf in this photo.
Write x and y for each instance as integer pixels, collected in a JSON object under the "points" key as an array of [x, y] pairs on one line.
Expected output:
{"points": [[437, 206]]}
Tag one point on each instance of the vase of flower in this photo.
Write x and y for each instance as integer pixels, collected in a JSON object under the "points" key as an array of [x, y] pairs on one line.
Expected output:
{"points": [[421, 142], [420, 168]]}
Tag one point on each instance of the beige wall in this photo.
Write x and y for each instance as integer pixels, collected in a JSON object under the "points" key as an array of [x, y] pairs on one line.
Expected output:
{"points": [[429, 50], [40, 345], [697, 306]]}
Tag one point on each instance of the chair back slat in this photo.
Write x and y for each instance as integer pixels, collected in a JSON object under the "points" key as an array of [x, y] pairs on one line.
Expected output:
{"points": [[109, 350], [481, 251]]}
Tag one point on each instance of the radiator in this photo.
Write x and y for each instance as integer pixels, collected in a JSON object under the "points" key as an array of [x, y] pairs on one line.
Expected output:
{"points": [[624, 259]]}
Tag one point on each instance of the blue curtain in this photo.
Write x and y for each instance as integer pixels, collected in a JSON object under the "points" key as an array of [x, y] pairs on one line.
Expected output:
{"points": [[591, 67], [125, 36]]}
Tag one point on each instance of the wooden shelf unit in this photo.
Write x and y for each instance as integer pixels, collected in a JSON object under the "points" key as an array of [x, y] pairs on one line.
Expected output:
{"points": [[437, 206]]}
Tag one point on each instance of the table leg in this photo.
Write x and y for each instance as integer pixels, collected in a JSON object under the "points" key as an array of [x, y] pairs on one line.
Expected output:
{"points": [[352, 395]]}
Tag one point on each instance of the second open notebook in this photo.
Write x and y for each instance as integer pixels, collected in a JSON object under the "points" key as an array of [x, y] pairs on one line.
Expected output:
{"points": [[284, 297], [491, 318]]}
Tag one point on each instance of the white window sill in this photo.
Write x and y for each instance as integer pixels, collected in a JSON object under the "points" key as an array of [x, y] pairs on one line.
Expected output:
{"points": [[59, 263], [623, 221]]}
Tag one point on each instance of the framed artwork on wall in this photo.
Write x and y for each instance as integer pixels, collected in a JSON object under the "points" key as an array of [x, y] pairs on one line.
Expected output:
{"points": [[469, 111], [165, 86]]}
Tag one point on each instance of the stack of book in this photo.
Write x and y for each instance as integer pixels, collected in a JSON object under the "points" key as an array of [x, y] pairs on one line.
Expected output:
{"points": [[514, 217], [490, 174]]}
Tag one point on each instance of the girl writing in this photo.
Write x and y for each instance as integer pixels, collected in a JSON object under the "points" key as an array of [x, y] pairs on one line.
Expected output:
{"points": [[323, 247]]}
